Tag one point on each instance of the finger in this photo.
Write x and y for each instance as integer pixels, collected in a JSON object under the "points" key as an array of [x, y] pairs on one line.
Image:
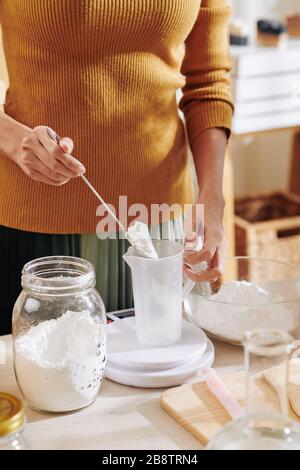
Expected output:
{"points": [[66, 144], [39, 177], [41, 168], [209, 275], [46, 141], [33, 144], [217, 261], [206, 276], [190, 241], [219, 257], [70, 163], [52, 163], [193, 226], [204, 255], [190, 231]]}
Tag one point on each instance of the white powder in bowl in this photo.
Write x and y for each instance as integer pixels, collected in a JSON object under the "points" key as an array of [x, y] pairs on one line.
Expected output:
{"points": [[60, 363], [240, 306]]}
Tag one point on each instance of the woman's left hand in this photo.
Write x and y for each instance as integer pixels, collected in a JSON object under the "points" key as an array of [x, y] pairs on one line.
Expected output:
{"points": [[214, 242]]}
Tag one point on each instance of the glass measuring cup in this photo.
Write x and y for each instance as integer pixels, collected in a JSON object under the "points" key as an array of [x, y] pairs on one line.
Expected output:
{"points": [[158, 293]]}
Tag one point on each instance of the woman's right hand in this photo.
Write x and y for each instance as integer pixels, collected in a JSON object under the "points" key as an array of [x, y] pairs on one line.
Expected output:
{"points": [[44, 160]]}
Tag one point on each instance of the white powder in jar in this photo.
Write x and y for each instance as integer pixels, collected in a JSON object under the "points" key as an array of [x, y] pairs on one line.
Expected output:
{"points": [[241, 306], [60, 363]]}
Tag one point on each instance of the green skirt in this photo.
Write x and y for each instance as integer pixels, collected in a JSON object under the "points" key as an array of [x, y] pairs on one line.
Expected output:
{"points": [[16, 249], [113, 277]]}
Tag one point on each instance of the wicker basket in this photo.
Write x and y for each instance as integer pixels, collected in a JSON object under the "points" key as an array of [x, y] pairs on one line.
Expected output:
{"points": [[268, 227]]}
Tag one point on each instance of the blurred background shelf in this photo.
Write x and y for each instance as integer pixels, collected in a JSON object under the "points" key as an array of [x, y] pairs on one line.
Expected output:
{"points": [[266, 90]]}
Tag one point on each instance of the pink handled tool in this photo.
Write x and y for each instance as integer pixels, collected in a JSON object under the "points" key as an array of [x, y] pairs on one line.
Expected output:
{"points": [[223, 395]]}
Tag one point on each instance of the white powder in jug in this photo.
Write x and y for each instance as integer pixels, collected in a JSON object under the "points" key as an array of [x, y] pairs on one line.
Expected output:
{"points": [[241, 306], [60, 362]]}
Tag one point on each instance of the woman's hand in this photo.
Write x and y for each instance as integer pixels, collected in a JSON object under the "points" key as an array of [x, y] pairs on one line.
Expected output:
{"points": [[214, 243], [209, 152], [45, 161]]}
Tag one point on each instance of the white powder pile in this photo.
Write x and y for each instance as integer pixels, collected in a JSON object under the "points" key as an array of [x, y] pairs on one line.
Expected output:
{"points": [[60, 363], [139, 237], [247, 306]]}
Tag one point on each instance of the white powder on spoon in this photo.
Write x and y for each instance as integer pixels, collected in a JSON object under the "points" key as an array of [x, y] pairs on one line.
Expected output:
{"points": [[60, 363], [139, 237]]}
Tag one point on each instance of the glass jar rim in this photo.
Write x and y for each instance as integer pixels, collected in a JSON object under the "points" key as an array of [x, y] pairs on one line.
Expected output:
{"points": [[268, 342], [59, 274]]}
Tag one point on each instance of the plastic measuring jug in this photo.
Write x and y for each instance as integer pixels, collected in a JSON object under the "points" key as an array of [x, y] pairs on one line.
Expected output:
{"points": [[158, 293]]}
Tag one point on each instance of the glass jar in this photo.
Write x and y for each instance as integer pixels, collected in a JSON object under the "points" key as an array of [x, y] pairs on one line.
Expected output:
{"points": [[59, 334], [266, 425], [12, 418]]}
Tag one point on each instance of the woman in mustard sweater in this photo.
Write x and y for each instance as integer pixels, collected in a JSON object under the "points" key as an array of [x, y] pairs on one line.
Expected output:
{"points": [[105, 74]]}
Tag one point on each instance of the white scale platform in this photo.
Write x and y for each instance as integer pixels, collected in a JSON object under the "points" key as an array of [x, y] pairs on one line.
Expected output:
{"points": [[133, 363]]}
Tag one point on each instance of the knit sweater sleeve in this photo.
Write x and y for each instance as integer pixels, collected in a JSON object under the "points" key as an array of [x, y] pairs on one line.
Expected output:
{"points": [[206, 100]]}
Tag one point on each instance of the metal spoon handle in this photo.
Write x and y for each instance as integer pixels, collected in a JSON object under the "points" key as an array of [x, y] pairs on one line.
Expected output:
{"points": [[112, 214], [54, 137]]}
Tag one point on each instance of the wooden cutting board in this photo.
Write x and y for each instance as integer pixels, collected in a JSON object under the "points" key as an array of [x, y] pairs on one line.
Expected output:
{"points": [[195, 408]]}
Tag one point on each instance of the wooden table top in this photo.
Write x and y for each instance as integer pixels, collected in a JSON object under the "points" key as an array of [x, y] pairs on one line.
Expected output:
{"points": [[121, 418]]}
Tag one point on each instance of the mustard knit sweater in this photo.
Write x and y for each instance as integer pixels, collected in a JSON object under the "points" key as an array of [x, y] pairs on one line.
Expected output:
{"points": [[105, 73]]}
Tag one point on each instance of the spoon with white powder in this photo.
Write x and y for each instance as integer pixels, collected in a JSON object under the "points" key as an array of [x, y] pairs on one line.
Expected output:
{"points": [[138, 234]]}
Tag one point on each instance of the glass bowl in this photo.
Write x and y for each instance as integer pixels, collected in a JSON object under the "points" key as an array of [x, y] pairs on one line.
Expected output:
{"points": [[252, 293]]}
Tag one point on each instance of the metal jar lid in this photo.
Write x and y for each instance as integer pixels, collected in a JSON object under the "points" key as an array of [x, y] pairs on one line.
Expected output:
{"points": [[12, 414]]}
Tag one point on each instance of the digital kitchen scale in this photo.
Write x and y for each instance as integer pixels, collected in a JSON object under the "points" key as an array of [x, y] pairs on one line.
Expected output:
{"points": [[133, 363], [162, 378]]}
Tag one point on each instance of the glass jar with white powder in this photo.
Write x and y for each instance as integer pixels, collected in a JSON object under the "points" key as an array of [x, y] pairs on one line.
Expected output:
{"points": [[59, 334]]}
